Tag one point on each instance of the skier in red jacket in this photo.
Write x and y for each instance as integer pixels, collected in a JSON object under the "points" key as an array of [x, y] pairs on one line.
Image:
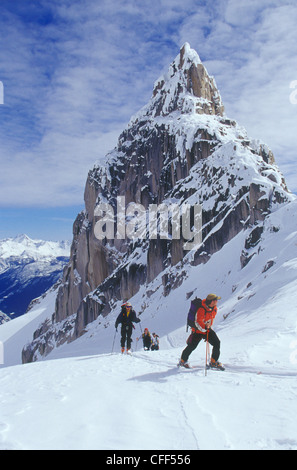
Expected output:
{"points": [[204, 318]]}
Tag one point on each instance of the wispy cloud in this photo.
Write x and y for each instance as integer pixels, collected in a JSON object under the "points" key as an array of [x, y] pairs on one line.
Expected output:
{"points": [[74, 72], [251, 49]]}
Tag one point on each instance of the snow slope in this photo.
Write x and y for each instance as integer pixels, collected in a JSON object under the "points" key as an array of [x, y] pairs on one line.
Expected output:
{"points": [[17, 332], [82, 396], [145, 402]]}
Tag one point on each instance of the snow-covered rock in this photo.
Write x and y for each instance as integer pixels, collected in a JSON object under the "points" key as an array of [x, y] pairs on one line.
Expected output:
{"points": [[180, 148], [3, 317]]}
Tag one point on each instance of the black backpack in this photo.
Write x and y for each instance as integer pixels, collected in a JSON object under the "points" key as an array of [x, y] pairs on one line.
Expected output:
{"points": [[195, 304]]}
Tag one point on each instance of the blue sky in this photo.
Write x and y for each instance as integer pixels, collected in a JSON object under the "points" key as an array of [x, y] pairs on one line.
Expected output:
{"points": [[75, 71]]}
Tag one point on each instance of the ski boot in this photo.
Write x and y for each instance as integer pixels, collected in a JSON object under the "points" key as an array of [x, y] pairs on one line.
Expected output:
{"points": [[215, 365], [184, 364]]}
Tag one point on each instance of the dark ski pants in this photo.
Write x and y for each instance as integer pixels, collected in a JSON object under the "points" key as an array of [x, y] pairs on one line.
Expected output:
{"points": [[147, 343], [195, 338], [126, 333]]}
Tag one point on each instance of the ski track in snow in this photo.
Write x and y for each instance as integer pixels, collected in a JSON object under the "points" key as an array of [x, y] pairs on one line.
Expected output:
{"points": [[144, 402], [84, 397]]}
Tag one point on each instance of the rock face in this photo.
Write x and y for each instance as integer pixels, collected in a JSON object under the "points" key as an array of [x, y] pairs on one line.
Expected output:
{"points": [[187, 88], [4, 318], [179, 149]]}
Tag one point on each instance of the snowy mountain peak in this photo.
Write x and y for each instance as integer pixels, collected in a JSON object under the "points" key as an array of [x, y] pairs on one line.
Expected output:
{"points": [[21, 238], [178, 150], [186, 58], [186, 88], [189, 54], [23, 245], [28, 268]]}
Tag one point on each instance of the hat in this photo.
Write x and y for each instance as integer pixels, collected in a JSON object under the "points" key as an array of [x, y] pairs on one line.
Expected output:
{"points": [[212, 297], [127, 304]]}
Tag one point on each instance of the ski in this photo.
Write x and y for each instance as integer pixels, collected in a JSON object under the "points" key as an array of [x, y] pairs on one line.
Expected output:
{"points": [[188, 367], [218, 367], [126, 353]]}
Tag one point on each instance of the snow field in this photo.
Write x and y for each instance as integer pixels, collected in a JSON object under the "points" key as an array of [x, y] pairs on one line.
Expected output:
{"points": [[83, 397], [146, 402]]}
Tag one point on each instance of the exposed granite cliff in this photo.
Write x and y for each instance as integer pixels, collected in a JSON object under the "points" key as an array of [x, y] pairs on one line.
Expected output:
{"points": [[180, 148]]}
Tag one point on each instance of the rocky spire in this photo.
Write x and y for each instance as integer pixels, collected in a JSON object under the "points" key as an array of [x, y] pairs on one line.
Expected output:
{"points": [[186, 88], [181, 149]]}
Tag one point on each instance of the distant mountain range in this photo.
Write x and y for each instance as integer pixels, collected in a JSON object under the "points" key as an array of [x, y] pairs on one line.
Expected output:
{"points": [[28, 268]]}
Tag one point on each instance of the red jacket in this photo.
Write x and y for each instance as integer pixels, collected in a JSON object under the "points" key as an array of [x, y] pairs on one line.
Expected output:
{"points": [[203, 315]]}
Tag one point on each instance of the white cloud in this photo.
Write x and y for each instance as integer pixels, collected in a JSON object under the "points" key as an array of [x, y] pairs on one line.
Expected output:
{"points": [[55, 173], [250, 47], [72, 84]]}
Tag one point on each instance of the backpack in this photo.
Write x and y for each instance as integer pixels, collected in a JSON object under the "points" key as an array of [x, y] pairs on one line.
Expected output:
{"points": [[195, 304]]}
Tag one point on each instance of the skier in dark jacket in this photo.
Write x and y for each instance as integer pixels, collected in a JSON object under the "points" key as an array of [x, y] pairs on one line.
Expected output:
{"points": [[147, 339], [127, 317]]}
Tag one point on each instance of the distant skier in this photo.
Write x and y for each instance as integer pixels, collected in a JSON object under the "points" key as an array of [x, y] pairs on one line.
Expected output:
{"points": [[155, 342], [204, 318], [147, 339], [126, 318]]}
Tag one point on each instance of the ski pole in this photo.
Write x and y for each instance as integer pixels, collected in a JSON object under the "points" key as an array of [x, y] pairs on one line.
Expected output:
{"points": [[114, 340], [207, 353], [137, 339]]}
